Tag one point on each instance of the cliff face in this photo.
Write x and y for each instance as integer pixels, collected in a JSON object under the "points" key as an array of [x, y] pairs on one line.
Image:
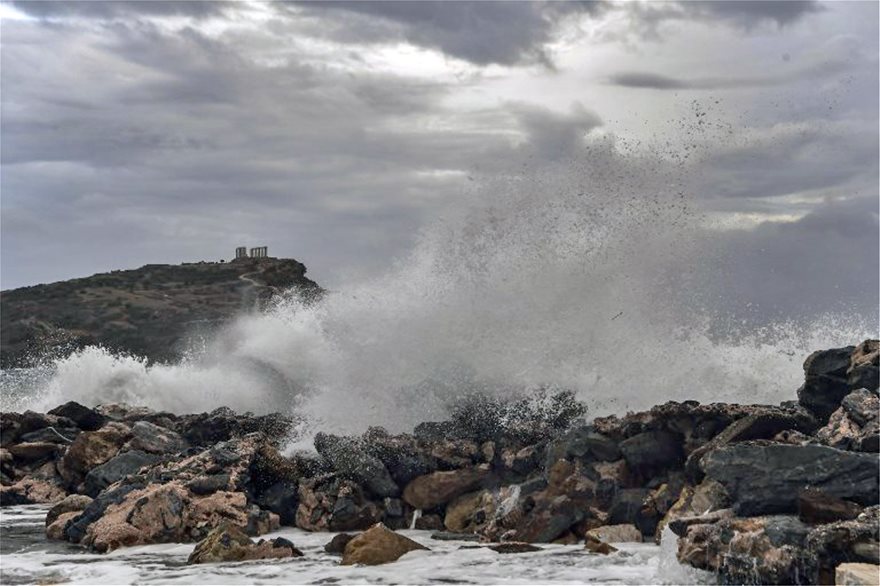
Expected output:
{"points": [[150, 311]]}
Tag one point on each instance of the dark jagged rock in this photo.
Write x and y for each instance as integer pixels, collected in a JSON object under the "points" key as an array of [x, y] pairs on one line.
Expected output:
{"points": [[764, 479], [95, 509], [826, 381], [115, 469], [338, 543], [653, 451], [330, 503], [70, 504], [154, 439], [855, 425], [85, 418], [223, 424], [348, 458], [514, 547], [55, 435], [90, 449], [864, 369]]}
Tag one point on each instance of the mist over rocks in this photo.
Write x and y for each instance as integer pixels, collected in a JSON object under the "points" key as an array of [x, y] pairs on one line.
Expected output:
{"points": [[755, 493]]}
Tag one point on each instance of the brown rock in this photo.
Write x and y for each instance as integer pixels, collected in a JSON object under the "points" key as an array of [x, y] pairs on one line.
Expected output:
{"points": [[816, 507], [338, 543], [34, 451], [594, 545], [71, 503], [469, 512], [91, 449], [55, 529], [230, 544], [430, 523], [31, 491], [378, 545], [853, 574], [706, 497], [514, 547], [438, 488], [615, 534]]}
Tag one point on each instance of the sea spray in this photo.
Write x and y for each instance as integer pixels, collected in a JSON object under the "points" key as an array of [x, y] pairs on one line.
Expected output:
{"points": [[588, 275]]}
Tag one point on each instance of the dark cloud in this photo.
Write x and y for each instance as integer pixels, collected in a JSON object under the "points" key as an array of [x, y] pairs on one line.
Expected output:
{"points": [[109, 9], [504, 32], [749, 14], [638, 79]]}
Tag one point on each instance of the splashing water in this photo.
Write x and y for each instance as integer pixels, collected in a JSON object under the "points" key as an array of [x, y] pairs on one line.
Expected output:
{"points": [[584, 275]]}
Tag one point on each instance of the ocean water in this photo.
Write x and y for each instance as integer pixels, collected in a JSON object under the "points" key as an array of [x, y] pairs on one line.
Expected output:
{"points": [[29, 559]]}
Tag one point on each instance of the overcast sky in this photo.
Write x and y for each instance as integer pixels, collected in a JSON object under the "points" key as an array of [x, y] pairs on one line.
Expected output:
{"points": [[143, 132]]}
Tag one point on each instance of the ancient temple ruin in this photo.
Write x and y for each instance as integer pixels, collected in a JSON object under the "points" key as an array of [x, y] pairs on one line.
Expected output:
{"points": [[256, 252]]}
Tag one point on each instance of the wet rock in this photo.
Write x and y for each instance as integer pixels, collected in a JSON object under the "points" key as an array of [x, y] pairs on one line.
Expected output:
{"points": [[282, 498], [525, 460], [855, 574], [707, 497], [815, 507], [430, 522], [76, 530], [153, 439], [378, 545], [452, 536], [514, 547], [469, 512], [402, 455], [13, 426], [329, 503], [351, 460], [52, 434], [223, 424], [90, 449], [832, 544], [34, 451], [616, 534], [855, 425], [438, 488], [680, 525], [115, 469], [124, 412], [596, 546], [70, 504], [55, 530], [653, 451], [582, 442], [31, 491], [230, 544], [338, 543], [825, 383], [627, 505], [85, 418], [864, 369], [455, 454], [751, 427], [763, 479], [204, 485]]}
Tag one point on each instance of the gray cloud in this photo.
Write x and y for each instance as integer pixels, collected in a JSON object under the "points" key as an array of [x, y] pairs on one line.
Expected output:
{"points": [[109, 9]]}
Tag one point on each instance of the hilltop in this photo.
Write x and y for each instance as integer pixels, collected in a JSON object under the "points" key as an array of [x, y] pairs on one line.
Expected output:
{"points": [[151, 311]]}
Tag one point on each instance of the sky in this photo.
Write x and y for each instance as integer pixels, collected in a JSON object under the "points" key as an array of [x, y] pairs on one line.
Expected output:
{"points": [[333, 132]]}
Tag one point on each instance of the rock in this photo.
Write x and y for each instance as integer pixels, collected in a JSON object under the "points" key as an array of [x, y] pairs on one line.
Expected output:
{"points": [[826, 382], [115, 469], [627, 505], [282, 498], [854, 574], [338, 543], [349, 458], [55, 530], [616, 534], [85, 418], [223, 424], [52, 434], [229, 544], [707, 497], [124, 412], [31, 491], [651, 452], [829, 545], [70, 504], [764, 479], [680, 525], [430, 522], [452, 536], [469, 512], [402, 455], [855, 425], [378, 545], [582, 442], [514, 547], [757, 426], [594, 545], [329, 503], [34, 451], [864, 368], [76, 530], [169, 513], [203, 485], [150, 438], [816, 507], [523, 461], [90, 449], [438, 488]]}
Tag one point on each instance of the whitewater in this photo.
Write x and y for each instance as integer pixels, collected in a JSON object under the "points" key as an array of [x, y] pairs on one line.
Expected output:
{"points": [[591, 275]]}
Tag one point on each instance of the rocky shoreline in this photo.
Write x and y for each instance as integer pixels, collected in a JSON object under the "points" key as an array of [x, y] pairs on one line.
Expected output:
{"points": [[754, 493]]}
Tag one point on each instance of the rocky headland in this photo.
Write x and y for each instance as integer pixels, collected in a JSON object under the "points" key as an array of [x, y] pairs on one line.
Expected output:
{"points": [[152, 311], [756, 494]]}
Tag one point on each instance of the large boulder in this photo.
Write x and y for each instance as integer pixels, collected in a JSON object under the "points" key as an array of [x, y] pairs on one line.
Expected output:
{"points": [[330, 503], [616, 534], [351, 460], [31, 491], [378, 545], [855, 425], [91, 449], [651, 452], [864, 368], [765, 479], [115, 469], [230, 544], [85, 418], [154, 439], [70, 504], [825, 382], [438, 488]]}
